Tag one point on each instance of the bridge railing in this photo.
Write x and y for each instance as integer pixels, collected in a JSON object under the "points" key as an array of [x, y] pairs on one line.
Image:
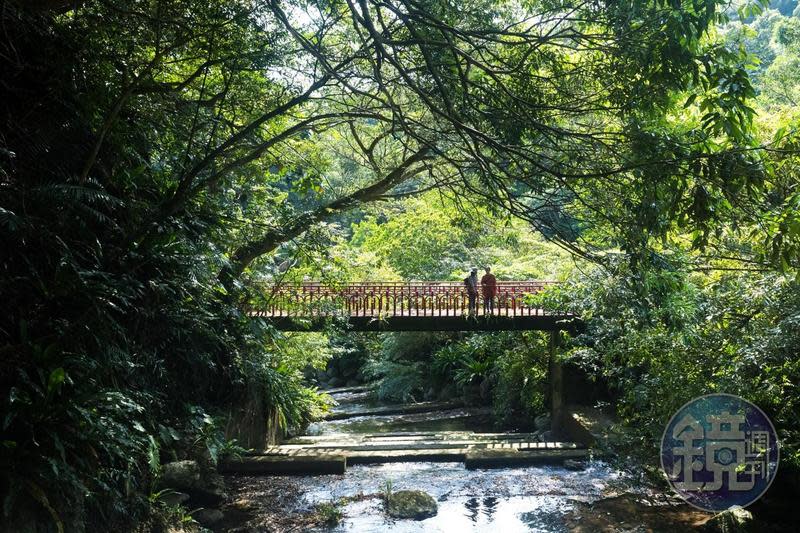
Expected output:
{"points": [[387, 299]]}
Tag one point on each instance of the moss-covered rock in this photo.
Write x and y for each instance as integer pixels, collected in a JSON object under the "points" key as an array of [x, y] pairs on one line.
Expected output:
{"points": [[180, 475], [414, 504], [202, 483], [734, 520]]}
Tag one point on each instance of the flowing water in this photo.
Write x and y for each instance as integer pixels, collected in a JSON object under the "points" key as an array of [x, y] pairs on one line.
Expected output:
{"points": [[534, 498], [515, 499]]}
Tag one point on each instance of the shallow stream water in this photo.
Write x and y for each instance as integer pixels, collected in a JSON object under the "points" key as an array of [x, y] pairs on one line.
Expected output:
{"points": [[505, 500], [514, 499]]}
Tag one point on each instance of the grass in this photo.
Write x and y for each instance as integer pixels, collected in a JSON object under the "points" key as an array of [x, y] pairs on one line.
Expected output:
{"points": [[330, 513]]}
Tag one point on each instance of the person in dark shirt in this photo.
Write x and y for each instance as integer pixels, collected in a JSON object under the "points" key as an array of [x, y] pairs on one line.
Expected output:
{"points": [[489, 286], [471, 284]]}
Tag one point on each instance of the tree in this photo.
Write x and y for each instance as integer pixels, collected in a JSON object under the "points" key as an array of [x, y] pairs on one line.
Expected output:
{"points": [[538, 118]]}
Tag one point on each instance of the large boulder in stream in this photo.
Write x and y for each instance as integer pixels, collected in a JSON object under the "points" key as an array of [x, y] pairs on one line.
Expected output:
{"points": [[734, 520], [414, 504]]}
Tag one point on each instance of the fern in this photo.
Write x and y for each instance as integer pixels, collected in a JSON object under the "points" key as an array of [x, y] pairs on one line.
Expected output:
{"points": [[9, 221]]}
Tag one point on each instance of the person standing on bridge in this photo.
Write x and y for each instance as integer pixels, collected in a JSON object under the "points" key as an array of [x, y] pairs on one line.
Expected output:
{"points": [[489, 286], [471, 284]]}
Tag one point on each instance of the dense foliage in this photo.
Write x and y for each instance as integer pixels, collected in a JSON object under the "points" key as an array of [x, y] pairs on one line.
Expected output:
{"points": [[161, 160]]}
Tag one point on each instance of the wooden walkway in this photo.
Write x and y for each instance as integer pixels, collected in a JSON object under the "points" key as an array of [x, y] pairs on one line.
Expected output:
{"points": [[331, 454]]}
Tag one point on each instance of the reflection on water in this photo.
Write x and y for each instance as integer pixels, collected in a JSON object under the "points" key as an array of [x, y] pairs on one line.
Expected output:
{"points": [[518, 499], [481, 506], [512, 514]]}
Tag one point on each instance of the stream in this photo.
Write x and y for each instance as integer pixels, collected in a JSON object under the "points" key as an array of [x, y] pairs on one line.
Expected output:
{"points": [[533, 498]]}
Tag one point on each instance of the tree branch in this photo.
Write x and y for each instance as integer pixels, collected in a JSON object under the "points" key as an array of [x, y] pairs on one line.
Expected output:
{"points": [[269, 241]]}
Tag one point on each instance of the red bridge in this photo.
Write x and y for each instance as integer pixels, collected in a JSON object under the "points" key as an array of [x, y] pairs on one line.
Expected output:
{"points": [[412, 306]]}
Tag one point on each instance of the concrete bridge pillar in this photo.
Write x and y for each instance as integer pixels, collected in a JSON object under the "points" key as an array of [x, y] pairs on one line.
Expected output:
{"points": [[556, 371]]}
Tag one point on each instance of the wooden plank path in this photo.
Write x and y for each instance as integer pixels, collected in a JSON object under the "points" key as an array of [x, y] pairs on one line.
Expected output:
{"points": [[331, 454]]}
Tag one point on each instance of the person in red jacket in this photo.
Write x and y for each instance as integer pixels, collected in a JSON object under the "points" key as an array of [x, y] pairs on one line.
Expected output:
{"points": [[489, 286]]}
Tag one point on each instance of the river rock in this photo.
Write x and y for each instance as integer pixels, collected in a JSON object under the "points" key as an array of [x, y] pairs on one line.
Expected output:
{"points": [[180, 475], [204, 487], [542, 422], [211, 491], [572, 464], [208, 517], [414, 504], [734, 520], [174, 498]]}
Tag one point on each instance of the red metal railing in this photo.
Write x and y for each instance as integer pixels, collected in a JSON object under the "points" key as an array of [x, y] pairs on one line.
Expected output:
{"points": [[387, 299]]}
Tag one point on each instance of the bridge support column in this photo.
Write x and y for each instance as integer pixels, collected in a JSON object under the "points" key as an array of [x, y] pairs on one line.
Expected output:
{"points": [[556, 372]]}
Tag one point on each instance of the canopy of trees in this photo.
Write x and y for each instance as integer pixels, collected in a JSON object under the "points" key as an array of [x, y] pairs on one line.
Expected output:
{"points": [[161, 159]]}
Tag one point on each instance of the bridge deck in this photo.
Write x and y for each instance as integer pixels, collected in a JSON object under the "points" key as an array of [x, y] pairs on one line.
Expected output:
{"points": [[420, 306], [431, 323]]}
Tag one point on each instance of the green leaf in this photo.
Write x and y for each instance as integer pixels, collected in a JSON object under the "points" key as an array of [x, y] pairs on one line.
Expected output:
{"points": [[55, 379]]}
